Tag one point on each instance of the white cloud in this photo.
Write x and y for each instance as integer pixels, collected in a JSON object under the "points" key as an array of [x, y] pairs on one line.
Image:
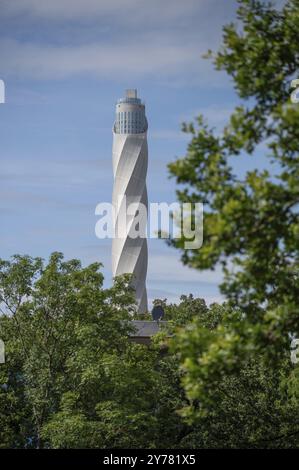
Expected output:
{"points": [[125, 10], [216, 115], [110, 38], [169, 267], [169, 134], [169, 278], [144, 58]]}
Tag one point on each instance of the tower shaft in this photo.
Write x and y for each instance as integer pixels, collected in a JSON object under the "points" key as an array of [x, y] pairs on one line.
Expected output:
{"points": [[130, 161]]}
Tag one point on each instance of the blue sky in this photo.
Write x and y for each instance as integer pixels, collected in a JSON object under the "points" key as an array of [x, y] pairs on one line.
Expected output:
{"points": [[65, 63]]}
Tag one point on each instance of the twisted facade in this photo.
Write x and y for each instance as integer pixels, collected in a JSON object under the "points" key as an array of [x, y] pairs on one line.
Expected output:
{"points": [[130, 160]]}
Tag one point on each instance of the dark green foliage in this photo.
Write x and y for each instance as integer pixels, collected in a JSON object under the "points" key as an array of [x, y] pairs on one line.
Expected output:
{"points": [[251, 226], [72, 378], [239, 377]]}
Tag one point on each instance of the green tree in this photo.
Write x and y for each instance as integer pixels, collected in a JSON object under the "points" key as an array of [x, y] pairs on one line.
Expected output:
{"points": [[235, 397], [243, 387], [191, 308], [72, 377], [251, 226], [48, 313]]}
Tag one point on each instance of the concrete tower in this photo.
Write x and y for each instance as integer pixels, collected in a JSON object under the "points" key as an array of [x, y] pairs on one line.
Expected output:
{"points": [[130, 159]]}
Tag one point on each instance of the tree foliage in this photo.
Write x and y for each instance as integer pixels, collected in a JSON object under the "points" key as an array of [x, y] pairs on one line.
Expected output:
{"points": [[239, 377], [251, 225], [73, 378]]}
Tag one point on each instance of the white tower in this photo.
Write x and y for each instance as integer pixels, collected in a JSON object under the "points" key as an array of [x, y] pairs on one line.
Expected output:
{"points": [[130, 159]]}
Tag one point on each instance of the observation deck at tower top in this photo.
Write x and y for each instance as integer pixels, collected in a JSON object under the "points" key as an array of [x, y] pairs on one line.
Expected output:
{"points": [[131, 97], [130, 115]]}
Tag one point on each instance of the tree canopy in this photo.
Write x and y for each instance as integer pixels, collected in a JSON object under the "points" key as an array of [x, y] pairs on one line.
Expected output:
{"points": [[251, 228], [72, 376]]}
